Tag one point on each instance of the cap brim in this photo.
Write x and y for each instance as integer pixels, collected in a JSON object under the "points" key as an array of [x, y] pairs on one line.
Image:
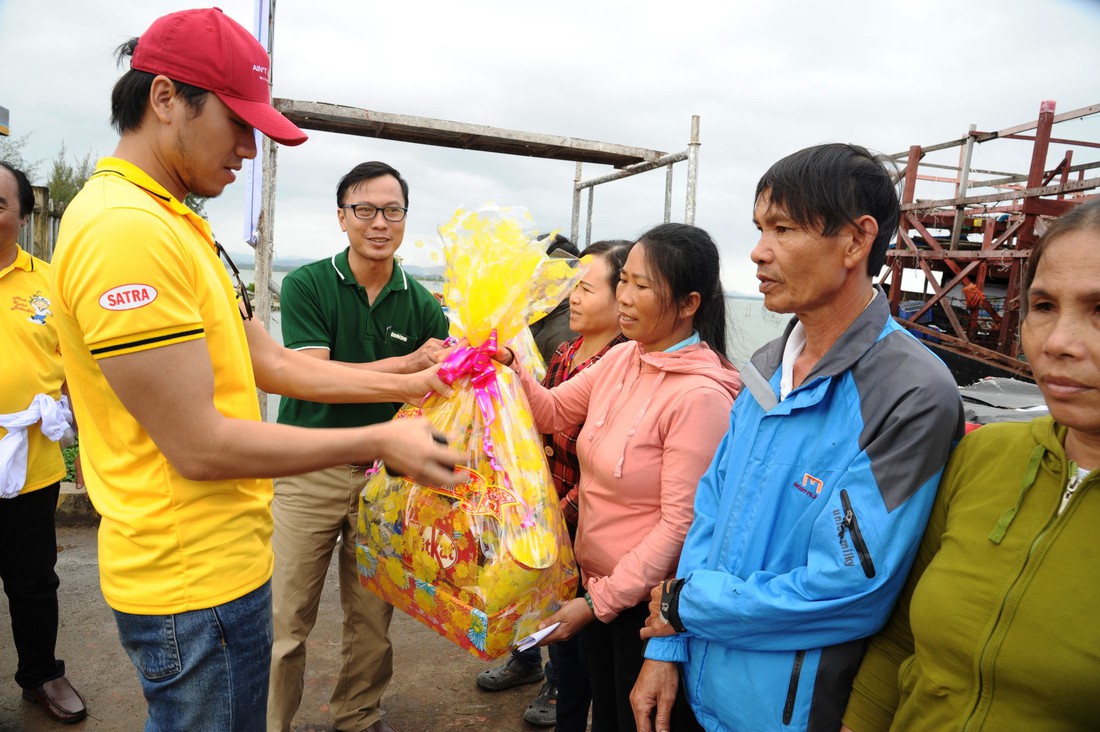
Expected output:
{"points": [[266, 119]]}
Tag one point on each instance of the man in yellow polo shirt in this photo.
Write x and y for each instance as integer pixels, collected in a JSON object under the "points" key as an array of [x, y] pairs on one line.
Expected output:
{"points": [[31, 466], [163, 364]]}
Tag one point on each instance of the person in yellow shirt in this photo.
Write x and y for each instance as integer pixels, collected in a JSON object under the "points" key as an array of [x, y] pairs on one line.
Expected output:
{"points": [[163, 361], [31, 467]]}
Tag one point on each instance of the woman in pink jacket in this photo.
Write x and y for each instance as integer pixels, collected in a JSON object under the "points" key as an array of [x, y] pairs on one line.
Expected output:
{"points": [[653, 410]]}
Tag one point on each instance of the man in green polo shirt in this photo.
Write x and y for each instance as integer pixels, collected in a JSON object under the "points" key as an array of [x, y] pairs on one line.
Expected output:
{"points": [[360, 308]]}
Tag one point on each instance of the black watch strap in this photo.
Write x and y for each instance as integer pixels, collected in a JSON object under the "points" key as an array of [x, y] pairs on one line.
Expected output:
{"points": [[670, 603]]}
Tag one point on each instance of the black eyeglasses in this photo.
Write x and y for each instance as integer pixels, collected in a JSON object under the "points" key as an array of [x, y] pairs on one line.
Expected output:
{"points": [[367, 212], [241, 289]]}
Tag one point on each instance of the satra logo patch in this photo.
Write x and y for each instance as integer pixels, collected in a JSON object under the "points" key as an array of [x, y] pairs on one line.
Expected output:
{"points": [[127, 297]]}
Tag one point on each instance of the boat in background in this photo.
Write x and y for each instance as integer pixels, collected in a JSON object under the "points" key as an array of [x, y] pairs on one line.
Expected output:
{"points": [[955, 272], [995, 399]]}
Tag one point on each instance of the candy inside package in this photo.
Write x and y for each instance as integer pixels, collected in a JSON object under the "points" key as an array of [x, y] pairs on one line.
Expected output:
{"points": [[481, 562]]}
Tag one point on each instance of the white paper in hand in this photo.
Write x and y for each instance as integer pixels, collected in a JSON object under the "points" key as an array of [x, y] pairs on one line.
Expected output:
{"points": [[533, 640]]}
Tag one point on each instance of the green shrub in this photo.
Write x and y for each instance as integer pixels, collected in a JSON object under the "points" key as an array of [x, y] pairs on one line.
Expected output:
{"points": [[70, 453]]}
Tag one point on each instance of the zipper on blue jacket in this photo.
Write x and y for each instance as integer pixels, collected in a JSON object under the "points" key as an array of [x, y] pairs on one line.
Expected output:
{"points": [[852, 525], [792, 688]]}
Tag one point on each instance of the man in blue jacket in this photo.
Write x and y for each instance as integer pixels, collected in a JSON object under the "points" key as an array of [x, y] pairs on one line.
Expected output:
{"points": [[808, 519]]}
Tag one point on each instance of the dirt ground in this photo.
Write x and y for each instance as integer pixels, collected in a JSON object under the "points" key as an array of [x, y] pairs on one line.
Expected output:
{"points": [[432, 688]]}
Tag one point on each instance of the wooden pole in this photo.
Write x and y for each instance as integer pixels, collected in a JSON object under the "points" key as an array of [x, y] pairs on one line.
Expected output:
{"points": [[40, 242]]}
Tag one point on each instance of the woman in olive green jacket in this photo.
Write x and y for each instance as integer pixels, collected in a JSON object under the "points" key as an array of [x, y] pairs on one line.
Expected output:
{"points": [[998, 626]]}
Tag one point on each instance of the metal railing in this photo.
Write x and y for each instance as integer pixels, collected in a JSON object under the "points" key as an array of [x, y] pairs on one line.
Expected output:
{"points": [[691, 155]]}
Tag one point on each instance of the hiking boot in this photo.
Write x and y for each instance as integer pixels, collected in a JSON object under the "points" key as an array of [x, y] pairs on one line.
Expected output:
{"points": [[543, 711], [508, 675]]}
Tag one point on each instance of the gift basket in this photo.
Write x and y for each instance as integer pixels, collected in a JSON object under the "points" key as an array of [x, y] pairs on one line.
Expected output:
{"points": [[483, 561]]}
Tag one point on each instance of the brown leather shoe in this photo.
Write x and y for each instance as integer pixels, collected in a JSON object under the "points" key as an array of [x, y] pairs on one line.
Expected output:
{"points": [[59, 700]]}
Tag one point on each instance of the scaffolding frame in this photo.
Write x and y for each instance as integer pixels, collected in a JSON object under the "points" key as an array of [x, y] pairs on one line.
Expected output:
{"points": [[628, 161], [1009, 221], [445, 133]]}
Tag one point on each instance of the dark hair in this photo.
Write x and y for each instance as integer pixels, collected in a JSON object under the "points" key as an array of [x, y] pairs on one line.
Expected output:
{"points": [[1083, 216], [368, 171], [614, 252], [130, 95], [25, 192], [685, 259], [828, 186], [562, 243]]}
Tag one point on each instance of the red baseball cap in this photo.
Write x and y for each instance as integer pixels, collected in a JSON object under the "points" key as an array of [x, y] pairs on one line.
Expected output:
{"points": [[208, 49]]}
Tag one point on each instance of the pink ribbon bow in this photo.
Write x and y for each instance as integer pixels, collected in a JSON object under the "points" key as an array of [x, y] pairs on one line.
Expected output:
{"points": [[477, 363]]}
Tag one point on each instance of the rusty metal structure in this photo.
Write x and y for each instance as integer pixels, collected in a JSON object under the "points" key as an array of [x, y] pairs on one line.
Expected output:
{"points": [[969, 250]]}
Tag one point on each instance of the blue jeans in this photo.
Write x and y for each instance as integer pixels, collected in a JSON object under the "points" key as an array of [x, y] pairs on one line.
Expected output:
{"points": [[204, 669]]}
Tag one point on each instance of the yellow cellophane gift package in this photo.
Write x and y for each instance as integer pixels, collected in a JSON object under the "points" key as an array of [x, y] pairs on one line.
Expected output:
{"points": [[481, 562], [527, 351]]}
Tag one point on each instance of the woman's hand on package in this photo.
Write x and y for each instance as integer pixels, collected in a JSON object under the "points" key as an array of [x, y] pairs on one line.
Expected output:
{"points": [[505, 356], [414, 449], [573, 616]]}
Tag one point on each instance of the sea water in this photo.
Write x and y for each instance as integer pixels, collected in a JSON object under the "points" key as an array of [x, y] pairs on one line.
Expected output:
{"points": [[749, 326]]}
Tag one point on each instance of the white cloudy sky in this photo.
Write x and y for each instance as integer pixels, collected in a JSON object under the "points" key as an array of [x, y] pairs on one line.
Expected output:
{"points": [[766, 78]]}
